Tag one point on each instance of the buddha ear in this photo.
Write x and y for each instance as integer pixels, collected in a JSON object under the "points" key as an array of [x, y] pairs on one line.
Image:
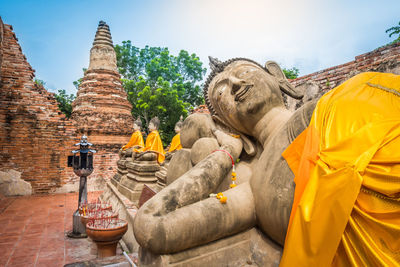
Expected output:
{"points": [[273, 68], [248, 145]]}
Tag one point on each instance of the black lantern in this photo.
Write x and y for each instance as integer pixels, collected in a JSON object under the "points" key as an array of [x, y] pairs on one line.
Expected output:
{"points": [[82, 163]]}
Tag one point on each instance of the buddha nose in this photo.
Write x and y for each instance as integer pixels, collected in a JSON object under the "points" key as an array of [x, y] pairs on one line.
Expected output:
{"points": [[236, 84]]}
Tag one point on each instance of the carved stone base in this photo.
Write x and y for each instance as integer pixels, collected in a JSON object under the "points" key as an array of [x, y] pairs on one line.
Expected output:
{"points": [[162, 176], [138, 173], [133, 189], [145, 168], [250, 248], [122, 171]]}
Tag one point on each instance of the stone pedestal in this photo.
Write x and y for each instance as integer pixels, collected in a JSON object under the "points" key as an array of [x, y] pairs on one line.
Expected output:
{"points": [[162, 176], [121, 172], [139, 172], [250, 248]]}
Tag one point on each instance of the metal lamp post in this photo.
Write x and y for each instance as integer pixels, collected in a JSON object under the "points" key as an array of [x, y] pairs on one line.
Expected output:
{"points": [[82, 163]]}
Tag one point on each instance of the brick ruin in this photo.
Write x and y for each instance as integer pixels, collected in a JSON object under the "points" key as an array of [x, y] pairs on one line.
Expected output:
{"points": [[35, 136], [101, 109], [383, 59], [33, 132]]}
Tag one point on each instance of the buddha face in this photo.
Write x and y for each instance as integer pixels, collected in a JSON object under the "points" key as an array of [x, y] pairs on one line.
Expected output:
{"points": [[177, 129], [243, 93], [136, 127], [152, 127]]}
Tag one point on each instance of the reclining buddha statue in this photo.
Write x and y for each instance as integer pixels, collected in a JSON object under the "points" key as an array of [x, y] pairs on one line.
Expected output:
{"points": [[250, 121]]}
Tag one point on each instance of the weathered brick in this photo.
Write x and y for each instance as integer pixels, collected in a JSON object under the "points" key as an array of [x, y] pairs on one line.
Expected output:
{"points": [[36, 138]]}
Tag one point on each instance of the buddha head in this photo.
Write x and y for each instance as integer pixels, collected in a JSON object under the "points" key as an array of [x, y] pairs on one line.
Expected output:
{"points": [[154, 124], [239, 92], [137, 125], [178, 125]]}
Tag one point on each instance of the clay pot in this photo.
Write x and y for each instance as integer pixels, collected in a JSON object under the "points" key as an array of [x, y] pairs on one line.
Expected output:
{"points": [[106, 239], [86, 219]]}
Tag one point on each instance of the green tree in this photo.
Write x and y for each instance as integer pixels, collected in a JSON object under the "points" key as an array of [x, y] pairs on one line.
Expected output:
{"points": [[39, 82], [160, 84], [65, 102], [292, 73], [78, 82], [394, 30]]}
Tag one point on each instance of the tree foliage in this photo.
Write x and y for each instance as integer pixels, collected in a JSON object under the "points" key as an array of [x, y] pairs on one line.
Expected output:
{"points": [[292, 73], [160, 84], [65, 102], [393, 31], [39, 82], [78, 82]]}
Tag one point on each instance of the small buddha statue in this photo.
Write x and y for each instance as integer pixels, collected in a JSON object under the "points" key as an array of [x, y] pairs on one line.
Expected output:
{"points": [[153, 142], [136, 140], [176, 140], [135, 144]]}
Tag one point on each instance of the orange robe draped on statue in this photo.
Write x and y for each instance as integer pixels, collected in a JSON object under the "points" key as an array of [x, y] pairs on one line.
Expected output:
{"points": [[175, 143], [136, 140], [154, 143], [346, 209]]}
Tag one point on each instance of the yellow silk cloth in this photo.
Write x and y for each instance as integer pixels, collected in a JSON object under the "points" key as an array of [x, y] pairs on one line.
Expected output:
{"points": [[136, 140], [346, 209], [175, 143], [154, 143]]}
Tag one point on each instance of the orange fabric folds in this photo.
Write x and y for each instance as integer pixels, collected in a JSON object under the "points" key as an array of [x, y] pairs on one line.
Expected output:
{"points": [[154, 143], [175, 143], [346, 209], [136, 140]]}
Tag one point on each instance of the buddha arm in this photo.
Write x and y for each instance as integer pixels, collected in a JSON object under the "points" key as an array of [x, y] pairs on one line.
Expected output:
{"points": [[180, 204]]}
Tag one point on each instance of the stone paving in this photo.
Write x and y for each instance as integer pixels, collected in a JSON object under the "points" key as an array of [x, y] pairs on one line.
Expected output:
{"points": [[33, 231]]}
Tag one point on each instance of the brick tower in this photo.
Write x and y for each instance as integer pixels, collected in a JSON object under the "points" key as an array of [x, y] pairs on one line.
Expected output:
{"points": [[101, 109]]}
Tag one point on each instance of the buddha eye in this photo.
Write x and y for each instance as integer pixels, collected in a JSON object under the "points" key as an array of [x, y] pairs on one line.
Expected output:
{"points": [[221, 90]]}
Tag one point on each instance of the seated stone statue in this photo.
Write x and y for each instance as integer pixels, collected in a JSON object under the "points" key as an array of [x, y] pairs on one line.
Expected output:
{"points": [[136, 140], [154, 146], [245, 100], [176, 140]]}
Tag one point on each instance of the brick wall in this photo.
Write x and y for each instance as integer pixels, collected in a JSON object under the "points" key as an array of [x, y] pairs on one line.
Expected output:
{"points": [[35, 137], [384, 59], [33, 131]]}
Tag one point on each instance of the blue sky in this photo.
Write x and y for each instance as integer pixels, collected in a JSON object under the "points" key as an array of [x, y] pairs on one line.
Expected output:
{"points": [[56, 36]]}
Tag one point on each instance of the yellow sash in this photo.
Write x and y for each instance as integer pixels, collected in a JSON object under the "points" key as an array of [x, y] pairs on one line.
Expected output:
{"points": [[154, 143], [136, 140], [175, 143], [346, 208]]}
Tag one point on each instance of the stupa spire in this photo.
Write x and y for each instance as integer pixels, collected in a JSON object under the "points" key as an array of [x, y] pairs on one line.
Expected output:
{"points": [[102, 54], [103, 35], [101, 109]]}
